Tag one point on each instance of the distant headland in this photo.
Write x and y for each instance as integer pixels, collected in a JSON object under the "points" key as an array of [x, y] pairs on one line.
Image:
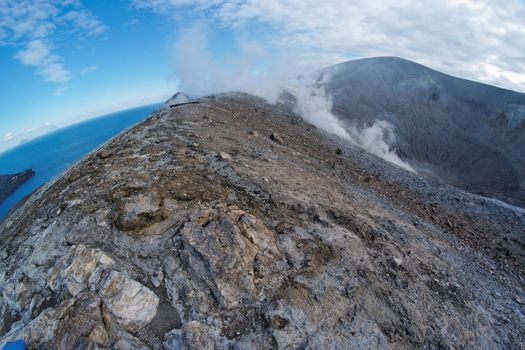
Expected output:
{"points": [[11, 182]]}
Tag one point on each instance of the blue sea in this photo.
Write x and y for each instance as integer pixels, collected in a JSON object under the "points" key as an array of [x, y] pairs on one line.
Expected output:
{"points": [[51, 154]]}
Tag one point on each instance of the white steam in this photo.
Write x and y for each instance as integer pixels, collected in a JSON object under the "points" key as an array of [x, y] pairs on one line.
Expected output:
{"points": [[377, 139], [252, 70], [315, 106], [200, 73]]}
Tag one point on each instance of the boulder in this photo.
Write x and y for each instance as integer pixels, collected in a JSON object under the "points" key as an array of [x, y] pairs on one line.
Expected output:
{"points": [[132, 304], [221, 246]]}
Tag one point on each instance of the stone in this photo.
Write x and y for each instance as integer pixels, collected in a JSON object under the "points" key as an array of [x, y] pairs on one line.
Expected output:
{"points": [[221, 246], [78, 272], [224, 156], [132, 304], [139, 211], [105, 153], [40, 332], [157, 278], [74, 177], [173, 340], [79, 269], [276, 138], [127, 341], [83, 320], [196, 336], [279, 322], [395, 261], [99, 335]]}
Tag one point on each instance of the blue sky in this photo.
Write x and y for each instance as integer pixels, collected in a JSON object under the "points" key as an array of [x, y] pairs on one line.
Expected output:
{"points": [[124, 65], [66, 60]]}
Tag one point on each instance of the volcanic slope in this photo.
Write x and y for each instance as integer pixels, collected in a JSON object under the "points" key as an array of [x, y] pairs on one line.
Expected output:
{"points": [[464, 133], [231, 223]]}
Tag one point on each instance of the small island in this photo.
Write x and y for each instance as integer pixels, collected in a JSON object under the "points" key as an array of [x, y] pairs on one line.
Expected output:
{"points": [[11, 182]]}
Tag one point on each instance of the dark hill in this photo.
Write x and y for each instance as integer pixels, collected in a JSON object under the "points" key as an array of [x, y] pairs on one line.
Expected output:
{"points": [[464, 133], [10, 183]]}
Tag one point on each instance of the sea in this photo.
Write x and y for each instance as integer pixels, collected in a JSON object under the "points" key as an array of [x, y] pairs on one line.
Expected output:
{"points": [[49, 155]]}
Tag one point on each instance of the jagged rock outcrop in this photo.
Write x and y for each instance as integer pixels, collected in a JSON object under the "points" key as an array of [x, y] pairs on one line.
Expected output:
{"points": [[10, 183], [197, 230]]}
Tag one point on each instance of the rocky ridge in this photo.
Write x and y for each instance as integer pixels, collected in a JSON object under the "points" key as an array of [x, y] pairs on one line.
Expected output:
{"points": [[230, 223]]}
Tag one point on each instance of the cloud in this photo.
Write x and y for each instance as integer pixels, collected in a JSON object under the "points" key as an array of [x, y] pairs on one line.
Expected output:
{"points": [[131, 22], [8, 136], [12, 139], [37, 54], [59, 91], [32, 24], [88, 69], [84, 21], [479, 40]]}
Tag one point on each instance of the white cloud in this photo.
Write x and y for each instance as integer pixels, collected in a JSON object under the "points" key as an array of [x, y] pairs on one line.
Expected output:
{"points": [[59, 91], [8, 136], [12, 139], [85, 21], [32, 23], [88, 69], [37, 54], [480, 40]]}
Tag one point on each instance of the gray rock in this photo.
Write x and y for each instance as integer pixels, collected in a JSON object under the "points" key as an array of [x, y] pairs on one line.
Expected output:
{"points": [[276, 138], [78, 270], [221, 247], [105, 153], [138, 212], [224, 156], [157, 278], [395, 261], [197, 336], [194, 335], [132, 304]]}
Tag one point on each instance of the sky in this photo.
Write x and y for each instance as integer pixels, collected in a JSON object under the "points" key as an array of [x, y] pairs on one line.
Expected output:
{"points": [[62, 61]]}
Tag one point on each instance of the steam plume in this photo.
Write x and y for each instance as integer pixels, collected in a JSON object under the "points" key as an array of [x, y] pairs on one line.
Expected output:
{"points": [[201, 74]]}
